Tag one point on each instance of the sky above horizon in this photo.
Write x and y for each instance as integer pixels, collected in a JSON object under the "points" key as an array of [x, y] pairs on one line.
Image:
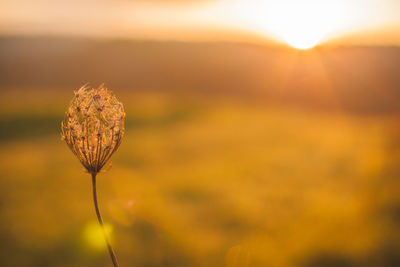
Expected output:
{"points": [[290, 21]]}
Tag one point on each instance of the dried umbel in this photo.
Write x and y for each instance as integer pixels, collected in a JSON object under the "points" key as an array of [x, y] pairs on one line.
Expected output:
{"points": [[93, 126]]}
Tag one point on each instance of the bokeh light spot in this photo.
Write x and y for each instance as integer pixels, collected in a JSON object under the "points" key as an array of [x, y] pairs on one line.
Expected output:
{"points": [[93, 235]]}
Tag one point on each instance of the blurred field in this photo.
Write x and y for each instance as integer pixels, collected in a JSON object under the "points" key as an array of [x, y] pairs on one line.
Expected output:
{"points": [[202, 183], [235, 155]]}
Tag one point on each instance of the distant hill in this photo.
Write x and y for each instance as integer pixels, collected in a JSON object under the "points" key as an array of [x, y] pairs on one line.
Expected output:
{"points": [[361, 79]]}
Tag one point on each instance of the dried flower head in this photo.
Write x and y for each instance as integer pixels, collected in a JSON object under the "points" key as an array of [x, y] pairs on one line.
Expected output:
{"points": [[93, 126]]}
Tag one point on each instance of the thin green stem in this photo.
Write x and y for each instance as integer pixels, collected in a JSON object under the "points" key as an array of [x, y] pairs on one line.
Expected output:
{"points": [[96, 206]]}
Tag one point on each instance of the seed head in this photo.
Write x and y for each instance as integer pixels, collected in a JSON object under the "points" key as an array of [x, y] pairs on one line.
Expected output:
{"points": [[93, 126]]}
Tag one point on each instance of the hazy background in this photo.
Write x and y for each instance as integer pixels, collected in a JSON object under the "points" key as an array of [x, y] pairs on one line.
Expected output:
{"points": [[239, 151]]}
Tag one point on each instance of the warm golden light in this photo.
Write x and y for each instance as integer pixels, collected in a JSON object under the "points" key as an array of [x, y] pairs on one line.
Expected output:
{"points": [[301, 24], [304, 24], [302, 39]]}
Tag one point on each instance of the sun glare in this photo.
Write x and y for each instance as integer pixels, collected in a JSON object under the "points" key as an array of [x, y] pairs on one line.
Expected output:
{"points": [[300, 24], [302, 39], [304, 24]]}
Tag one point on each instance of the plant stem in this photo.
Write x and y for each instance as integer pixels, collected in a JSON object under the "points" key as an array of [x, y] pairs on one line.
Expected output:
{"points": [[96, 206]]}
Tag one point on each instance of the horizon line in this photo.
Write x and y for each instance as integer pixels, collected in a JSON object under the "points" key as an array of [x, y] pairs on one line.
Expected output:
{"points": [[263, 42]]}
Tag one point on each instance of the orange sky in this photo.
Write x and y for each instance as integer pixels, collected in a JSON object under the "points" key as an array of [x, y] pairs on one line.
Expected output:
{"points": [[350, 21]]}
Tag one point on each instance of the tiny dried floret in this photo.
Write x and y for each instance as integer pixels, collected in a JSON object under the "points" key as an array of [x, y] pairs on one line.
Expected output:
{"points": [[93, 126]]}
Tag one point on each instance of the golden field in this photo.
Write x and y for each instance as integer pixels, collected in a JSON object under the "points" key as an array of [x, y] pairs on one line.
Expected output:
{"points": [[202, 182]]}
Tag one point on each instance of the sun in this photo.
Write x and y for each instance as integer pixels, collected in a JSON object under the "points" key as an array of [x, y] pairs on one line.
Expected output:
{"points": [[304, 24], [302, 36], [301, 28], [300, 24], [303, 44]]}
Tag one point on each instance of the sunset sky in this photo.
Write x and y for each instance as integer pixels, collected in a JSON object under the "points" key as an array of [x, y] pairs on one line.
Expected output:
{"points": [[298, 23]]}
